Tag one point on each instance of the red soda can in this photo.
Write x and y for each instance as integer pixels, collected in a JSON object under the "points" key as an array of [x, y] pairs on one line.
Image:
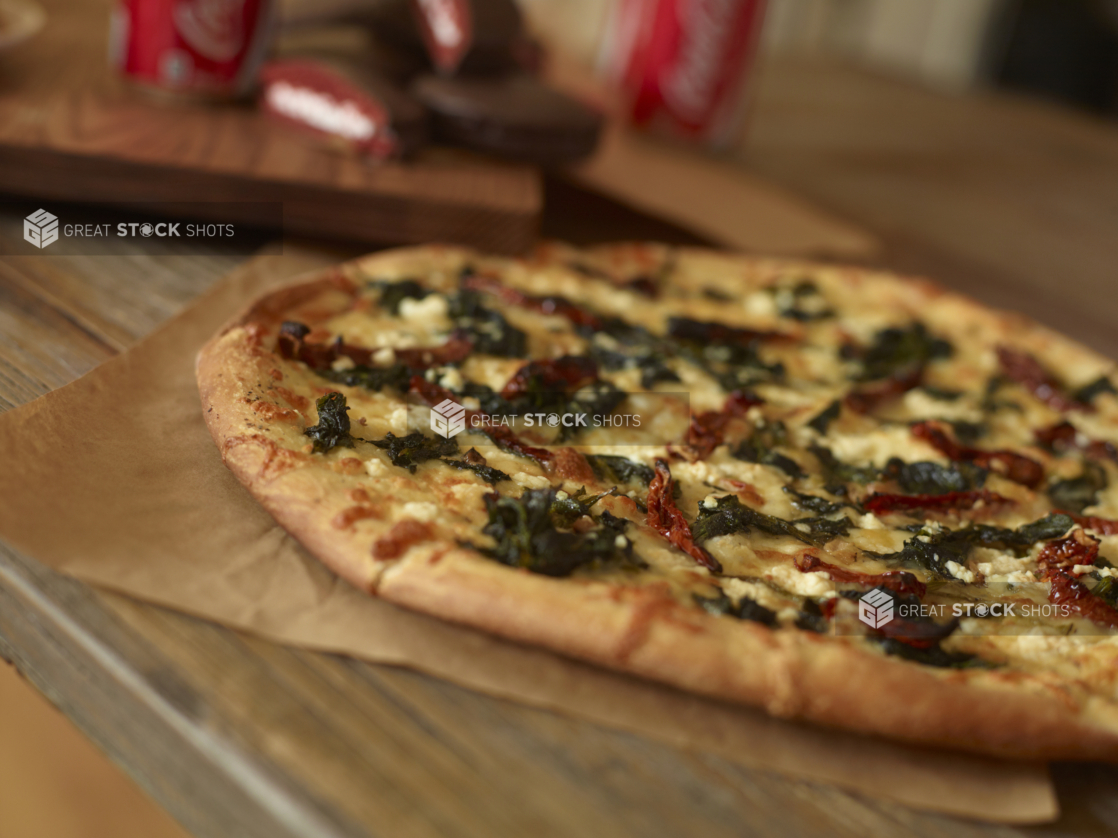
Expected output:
{"points": [[200, 48], [684, 65]]}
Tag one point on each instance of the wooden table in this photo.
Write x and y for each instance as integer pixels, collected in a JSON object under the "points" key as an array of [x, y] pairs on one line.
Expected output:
{"points": [[240, 737]]}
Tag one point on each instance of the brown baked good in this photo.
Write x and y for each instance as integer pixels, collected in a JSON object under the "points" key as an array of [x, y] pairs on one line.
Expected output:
{"points": [[860, 450]]}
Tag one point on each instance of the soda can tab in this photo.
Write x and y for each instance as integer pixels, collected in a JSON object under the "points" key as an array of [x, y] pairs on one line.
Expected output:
{"points": [[684, 66], [195, 48]]}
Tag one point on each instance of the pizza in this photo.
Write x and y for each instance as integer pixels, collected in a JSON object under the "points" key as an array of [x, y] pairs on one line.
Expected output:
{"points": [[839, 495]]}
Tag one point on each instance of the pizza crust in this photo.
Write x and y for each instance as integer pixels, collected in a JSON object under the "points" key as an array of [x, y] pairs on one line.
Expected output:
{"points": [[790, 673]]}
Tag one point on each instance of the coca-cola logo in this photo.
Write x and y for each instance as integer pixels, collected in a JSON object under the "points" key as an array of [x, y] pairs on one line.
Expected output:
{"points": [[213, 28], [690, 83]]}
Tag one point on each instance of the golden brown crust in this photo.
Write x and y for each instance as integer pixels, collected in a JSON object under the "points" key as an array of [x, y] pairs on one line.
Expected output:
{"points": [[791, 673]]}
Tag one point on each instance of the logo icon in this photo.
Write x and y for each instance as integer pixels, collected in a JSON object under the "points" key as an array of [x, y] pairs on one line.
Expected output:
{"points": [[448, 418], [40, 228], [875, 609]]}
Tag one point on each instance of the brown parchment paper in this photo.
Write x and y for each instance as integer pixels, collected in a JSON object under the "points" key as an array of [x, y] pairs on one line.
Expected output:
{"points": [[115, 480]]}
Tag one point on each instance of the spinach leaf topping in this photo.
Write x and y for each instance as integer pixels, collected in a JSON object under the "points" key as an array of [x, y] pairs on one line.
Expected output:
{"points": [[942, 394], [637, 348], [932, 550], [612, 469], [836, 474], [371, 378], [332, 429], [411, 450], [1078, 493], [968, 433], [760, 448], [531, 532], [898, 350], [1107, 591], [814, 503], [730, 516], [811, 617], [1087, 393], [488, 330], [392, 293], [934, 655], [928, 478], [745, 609], [794, 302], [826, 416], [490, 475]]}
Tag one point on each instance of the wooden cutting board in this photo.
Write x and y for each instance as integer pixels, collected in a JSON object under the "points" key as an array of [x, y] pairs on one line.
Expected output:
{"points": [[70, 130]]}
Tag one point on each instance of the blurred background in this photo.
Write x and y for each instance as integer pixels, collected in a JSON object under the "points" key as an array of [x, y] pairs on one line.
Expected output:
{"points": [[974, 140]]}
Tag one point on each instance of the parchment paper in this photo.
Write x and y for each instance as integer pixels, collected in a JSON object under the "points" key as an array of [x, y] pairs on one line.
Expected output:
{"points": [[115, 480]]}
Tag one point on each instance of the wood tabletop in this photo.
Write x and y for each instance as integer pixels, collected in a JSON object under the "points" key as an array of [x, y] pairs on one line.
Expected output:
{"points": [[236, 736]]}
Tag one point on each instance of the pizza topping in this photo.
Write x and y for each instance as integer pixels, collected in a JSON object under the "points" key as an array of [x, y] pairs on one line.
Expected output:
{"points": [[1106, 526], [503, 436], [761, 446], [565, 374], [744, 609], [1057, 562], [619, 469], [666, 518], [897, 353], [392, 293], [1064, 436], [727, 515], [823, 420], [871, 396], [359, 369], [617, 345], [566, 386], [708, 332], [544, 305], [899, 581], [803, 302], [1089, 392], [1077, 493], [928, 478], [879, 503], [707, 429], [1016, 467], [535, 532], [333, 425], [814, 503], [893, 364], [415, 448], [934, 549], [489, 474], [836, 474], [1027, 371], [487, 330]]}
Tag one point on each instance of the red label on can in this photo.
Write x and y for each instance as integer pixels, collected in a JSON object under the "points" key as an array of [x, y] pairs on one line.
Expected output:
{"points": [[684, 62], [447, 28], [210, 47]]}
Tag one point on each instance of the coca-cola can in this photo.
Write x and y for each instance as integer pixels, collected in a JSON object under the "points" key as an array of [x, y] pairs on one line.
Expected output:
{"points": [[684, 65], [198, 48]]}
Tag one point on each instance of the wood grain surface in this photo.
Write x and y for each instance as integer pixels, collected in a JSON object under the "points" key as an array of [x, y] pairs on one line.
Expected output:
{"points": [[69, 130], [1012, 200]]}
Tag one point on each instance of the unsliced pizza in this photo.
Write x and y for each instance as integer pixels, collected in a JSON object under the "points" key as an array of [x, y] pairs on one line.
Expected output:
{"points": [[840, 495]]}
